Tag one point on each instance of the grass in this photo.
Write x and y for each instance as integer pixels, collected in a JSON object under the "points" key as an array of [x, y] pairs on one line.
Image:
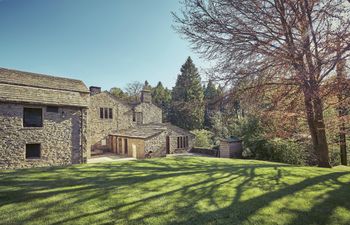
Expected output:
{"points": [[186, 190]]}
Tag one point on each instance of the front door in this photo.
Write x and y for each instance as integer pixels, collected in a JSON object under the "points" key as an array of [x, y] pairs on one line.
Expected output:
{"points": [[125, 146], [167, 145], [114, 144], [120, 146]]}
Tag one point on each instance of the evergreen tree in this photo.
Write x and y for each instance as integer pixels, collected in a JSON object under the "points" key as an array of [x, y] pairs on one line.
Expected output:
{"points": [[162, 97], [211, 97], [188, 98]]}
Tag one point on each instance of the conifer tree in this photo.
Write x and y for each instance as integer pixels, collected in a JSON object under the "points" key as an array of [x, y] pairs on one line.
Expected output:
{"points": [[211, 97], [188, 98], [162, 97]]}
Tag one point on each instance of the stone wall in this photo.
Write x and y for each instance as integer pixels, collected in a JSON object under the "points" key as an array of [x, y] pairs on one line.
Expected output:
{"points": [[157, 144], [99, 129], [205, 151], [61, 137], [173, 134], [150, 112]]}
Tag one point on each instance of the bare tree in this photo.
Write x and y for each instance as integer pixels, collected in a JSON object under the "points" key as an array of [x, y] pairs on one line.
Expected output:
{"points": [[294, 40], [134, 90]]}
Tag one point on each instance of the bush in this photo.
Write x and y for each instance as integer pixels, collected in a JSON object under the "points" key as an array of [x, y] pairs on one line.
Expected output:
{"points": [[203, 139], [281, 150]]}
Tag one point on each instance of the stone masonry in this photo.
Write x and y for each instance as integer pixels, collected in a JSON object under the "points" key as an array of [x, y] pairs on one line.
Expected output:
{"points": [[99, 129], [62, 137]]}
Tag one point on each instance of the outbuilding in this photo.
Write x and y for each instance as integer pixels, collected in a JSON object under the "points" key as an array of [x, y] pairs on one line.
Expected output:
{"points": [[231, 147]]}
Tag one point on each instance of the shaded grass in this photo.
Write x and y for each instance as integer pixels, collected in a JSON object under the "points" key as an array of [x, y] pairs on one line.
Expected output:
{"points": [[184, 190]]}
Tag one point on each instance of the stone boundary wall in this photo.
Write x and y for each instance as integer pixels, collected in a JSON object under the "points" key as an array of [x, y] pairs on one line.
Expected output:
{"points": [[205, 151]]}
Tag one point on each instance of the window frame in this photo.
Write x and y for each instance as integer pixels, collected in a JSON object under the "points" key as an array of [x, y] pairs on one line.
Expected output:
{"points": [[182, 142], [133, 116], [110, 113], [139, 118], [101, 113], [106, 113], [24, 124], [26, 153]]}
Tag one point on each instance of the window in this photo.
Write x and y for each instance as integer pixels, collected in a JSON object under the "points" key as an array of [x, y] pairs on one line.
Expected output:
{"points": [[139, 119], [33, 151], [106, 113], [182, 142], [133, 116], [32, 117], [52, 109]]}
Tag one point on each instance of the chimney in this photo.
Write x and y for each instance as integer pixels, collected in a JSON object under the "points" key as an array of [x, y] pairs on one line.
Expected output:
{"points": [[146, 96], [94, 90]]}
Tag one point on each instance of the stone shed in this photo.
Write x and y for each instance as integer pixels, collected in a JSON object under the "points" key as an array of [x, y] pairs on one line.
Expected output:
{"points": [[231, 147], [156, 140], [42, 120]]}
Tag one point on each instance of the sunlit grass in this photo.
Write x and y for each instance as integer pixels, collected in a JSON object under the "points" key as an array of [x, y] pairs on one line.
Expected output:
{"points": [[184, 190]]}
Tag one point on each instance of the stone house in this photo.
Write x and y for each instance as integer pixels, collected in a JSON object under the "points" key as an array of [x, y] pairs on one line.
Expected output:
{"points": [[134, 130], [43, 120], [47, 120]]}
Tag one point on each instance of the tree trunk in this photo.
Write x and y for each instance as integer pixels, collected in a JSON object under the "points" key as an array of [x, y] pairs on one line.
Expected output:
{"points": [[341, 111], [311, 121], [323, 157], [314, 115], [342, 139]]}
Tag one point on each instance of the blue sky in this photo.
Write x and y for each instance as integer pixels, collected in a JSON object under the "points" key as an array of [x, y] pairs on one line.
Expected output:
{"points": [[102, 42]]}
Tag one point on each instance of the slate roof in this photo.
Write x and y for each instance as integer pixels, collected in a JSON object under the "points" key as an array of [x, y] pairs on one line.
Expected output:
{"points": [[24, 87], [15, 77], [146, 131], [142, 132]]}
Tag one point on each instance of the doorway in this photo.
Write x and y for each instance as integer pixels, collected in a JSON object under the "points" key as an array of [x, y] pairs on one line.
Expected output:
{"points": [[167, 145], [125, 146], [120, 146]]}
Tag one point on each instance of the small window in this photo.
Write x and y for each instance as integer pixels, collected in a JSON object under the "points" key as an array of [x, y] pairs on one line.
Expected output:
{"points": [[182, 142], [101, 113], [139, 118], [133, 116], [32, 151], [32, 117], [111, 113], [52, 109]]}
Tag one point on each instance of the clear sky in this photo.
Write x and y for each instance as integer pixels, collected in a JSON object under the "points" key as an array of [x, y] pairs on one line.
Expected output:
{"points": [[102, 42]]}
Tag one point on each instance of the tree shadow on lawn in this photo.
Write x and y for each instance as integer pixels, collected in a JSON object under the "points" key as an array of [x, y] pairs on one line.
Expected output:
{"points": [[167, 183]]}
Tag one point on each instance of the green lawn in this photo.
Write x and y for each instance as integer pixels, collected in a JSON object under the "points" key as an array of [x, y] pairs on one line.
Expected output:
{"points": [[184, 190]]}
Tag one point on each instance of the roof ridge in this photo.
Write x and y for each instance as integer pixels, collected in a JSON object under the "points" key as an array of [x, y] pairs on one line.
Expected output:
{"points": [[40, 74]]}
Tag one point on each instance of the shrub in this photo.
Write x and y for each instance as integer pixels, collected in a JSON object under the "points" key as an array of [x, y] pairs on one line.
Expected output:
{"points": [[282, 150], [203, 139]]}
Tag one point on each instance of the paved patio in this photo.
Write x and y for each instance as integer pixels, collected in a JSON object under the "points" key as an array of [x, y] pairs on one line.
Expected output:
{"points": [[108, 158]]}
